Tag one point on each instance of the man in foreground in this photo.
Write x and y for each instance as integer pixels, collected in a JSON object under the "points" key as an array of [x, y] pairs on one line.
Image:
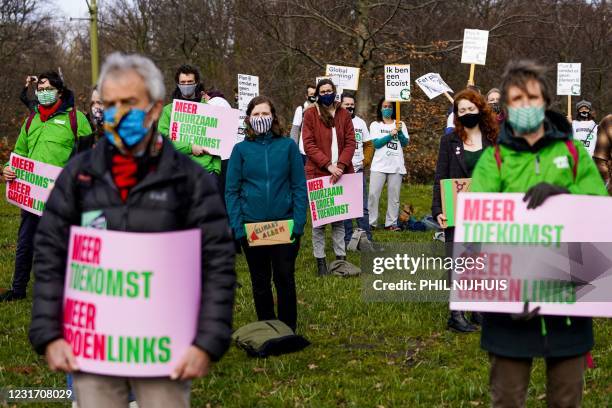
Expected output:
{"points": [[136, 182], [536, 155]]}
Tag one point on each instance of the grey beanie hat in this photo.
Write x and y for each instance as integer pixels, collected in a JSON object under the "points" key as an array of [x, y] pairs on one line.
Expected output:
{"points": [[584, 103]]}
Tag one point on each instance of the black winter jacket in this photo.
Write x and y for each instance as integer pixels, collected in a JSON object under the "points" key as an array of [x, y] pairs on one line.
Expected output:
{"points": [[451, 164], [190, 200]]}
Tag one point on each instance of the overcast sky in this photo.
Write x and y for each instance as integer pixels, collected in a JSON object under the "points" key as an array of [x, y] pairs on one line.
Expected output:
{"points": [[73, 8]]}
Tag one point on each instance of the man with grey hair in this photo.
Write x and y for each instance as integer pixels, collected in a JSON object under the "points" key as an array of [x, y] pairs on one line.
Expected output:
{"points": [[133, 180]]}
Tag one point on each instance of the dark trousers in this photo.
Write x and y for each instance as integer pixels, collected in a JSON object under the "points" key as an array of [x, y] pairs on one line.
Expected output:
{"points": [[363, 222], [509, 379], [274, 263], [221, 179], [25, 251]]}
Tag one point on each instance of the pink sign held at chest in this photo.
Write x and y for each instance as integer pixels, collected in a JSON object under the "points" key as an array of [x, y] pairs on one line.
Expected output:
{"points": [[33, 183], [335, 202], [212, 127], [131, 300], [556, 257]]}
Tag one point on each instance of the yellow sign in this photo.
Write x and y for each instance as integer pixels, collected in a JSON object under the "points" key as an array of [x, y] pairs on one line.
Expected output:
{"points": [[269, 232]]}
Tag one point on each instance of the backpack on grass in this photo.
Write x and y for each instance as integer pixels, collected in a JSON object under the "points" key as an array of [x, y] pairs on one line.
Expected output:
{"points": [[268, 338]]}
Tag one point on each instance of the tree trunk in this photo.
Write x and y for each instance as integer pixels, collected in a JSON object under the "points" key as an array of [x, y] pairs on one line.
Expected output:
{"points": [[366, 73]]}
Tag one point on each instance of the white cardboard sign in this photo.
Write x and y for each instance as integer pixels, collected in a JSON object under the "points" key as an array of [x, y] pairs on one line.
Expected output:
{"points": [[397, 83], [474, 46], [568, 78], [344, 77], [248, 88], [433, 85]]}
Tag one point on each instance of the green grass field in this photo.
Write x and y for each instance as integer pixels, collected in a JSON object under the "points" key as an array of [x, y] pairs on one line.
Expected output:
{"points": [[362, 354]]}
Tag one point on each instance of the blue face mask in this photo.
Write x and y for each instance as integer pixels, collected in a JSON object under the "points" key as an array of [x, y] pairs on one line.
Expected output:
{"points": [[327, 99], [387, 112], [125, 126]]}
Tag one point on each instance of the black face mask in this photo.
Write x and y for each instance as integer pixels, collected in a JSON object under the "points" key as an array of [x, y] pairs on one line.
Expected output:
{"points": [[496, 108], [584, 115], [352, 111], [470, 120], [312, 99]]}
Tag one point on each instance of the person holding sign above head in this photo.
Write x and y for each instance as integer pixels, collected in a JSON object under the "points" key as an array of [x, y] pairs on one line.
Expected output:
{"points": [[329, 142], [362, 136], [475, 130], [535, 154], [265, 183], [50, 134], [584, 126], [189, 88], [133, 180], [388, 166]]}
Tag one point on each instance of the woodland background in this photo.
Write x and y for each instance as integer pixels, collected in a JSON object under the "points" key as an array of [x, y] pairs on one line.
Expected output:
{"points": [[287, 43]]}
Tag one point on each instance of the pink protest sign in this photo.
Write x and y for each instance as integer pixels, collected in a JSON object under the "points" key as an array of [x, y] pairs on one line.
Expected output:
{"points": [[131, 300], [212, 127], [335, 202], [537, 270], [33, 183]]}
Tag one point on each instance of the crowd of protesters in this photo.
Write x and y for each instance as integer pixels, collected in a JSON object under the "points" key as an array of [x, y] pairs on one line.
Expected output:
{"points": [[118, 154]]}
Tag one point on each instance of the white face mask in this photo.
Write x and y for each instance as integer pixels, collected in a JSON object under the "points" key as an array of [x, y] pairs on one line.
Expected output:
{"points": [[261, 124]]}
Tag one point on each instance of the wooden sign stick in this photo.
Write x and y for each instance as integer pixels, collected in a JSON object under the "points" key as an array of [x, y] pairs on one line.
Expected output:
{"points": [[472, 70], [569, 107], [450, 98], [397, 115]]}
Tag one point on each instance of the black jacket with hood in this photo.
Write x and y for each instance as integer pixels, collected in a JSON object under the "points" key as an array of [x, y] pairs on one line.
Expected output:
{"points": [[191, 200]]}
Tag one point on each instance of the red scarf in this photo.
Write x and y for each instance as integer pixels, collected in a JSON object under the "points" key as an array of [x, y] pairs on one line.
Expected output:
{"points": [[124, 169], [47, 111]]}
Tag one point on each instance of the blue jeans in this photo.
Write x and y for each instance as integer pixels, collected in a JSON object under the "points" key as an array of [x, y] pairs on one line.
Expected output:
{"points": [[363, 222]]}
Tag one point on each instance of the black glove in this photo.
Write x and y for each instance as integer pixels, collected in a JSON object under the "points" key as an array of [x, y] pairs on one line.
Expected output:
{"points": [[526, 314], [537, 194]]}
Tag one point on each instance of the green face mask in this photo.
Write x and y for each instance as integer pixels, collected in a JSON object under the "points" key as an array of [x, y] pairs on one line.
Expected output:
{"points": [[526, 120], [387, 112], [47, 96]]}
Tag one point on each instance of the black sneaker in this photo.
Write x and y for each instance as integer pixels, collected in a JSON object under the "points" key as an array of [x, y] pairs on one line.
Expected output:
{"points": [[9, 296], [457, 322], [476, 318]]}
